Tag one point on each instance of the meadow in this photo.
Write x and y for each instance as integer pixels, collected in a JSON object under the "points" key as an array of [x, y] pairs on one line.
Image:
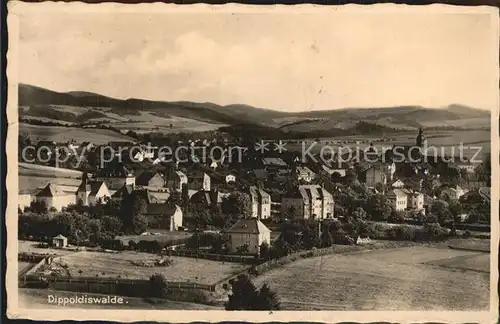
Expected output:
{"points": [[112, 265], [409, 278], [65, 134]]}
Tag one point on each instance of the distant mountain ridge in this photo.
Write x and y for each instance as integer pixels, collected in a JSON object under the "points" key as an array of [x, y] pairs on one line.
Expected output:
{"points": [[401, 117]]}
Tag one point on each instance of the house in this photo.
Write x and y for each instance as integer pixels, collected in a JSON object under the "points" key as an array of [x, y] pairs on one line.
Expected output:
{"points": [[452, 192], [397, 184], [398, 198], [121, 193], [91, 193], [176, 180], [150, 179], [199, 181], [415, 200], [24, 199], [250, 233], [207, 198], [164, 216], [261, 203], [379, 173], [115, 175], [308, 201], [304, 173], [54, 197], [60, 241]]}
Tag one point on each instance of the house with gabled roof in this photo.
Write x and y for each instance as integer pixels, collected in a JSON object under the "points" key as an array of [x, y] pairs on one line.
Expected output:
{"points": [[150, 179], [116, 175], [308, 201], [261, 203], [124, 192], [398, 199], [250, 233], [54, 197], [91, 192], [164, 216]]}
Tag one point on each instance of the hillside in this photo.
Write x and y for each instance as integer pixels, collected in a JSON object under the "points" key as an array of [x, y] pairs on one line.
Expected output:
{"points": [[83, 108]]}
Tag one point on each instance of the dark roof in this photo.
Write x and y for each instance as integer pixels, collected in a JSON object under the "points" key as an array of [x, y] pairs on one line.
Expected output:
{"points": [[164, 209], [51, 190], [250, 226], [144, 178], [125, 190]]}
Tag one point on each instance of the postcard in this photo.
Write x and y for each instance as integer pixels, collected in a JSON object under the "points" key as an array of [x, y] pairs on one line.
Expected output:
{"points": [[252, 163]]}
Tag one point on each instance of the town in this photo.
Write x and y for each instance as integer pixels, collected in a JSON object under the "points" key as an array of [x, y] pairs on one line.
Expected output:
{"points": [[260, 205]]}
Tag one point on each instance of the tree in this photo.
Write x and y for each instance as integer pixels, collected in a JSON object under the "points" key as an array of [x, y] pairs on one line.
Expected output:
{"points": [[242, 249], [441, 210], [264, 251], [326, 239], [157, 286], [267, 299], [360, 214], [244, 294], [378, 207], [238, 205], [133, 210]]}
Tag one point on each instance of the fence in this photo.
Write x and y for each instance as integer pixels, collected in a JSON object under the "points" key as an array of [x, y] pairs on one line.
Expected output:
{"points": [[120, 286], [214, 257], [268, 265]]}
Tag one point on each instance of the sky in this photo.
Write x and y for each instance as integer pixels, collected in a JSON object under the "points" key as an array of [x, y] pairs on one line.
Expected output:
{"points": [[280, 61]]}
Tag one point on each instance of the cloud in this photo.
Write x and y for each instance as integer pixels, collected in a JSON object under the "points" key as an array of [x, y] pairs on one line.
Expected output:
{"points": [[280, 62]]}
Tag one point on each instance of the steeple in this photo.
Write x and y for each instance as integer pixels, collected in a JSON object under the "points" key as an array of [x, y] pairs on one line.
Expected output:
{"points": [[420, 138]]}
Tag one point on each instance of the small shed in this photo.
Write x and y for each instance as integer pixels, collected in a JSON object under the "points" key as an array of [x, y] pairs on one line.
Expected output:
{"points": [[60, 241]]}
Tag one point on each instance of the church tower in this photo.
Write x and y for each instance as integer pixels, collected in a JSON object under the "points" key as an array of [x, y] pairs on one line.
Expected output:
{"points": [[420, 138]]}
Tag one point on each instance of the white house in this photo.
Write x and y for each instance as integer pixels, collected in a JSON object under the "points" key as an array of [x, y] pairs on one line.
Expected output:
{"points": [[250, 233], [261, 203], [92, 193], [308, 201], [398, 199], [415, 199], [53, 196]]}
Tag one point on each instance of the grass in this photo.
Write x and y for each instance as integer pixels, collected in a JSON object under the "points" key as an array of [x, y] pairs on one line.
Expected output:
{"points": [[21, 265], [64, 134], [164, 236], [409, 278], [38, 298], [120, 264], [30, 247]]}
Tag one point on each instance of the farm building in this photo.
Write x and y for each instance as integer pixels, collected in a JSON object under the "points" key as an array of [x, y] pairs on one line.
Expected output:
{"points": [[250, 232], [164, 216], [53, 196]]}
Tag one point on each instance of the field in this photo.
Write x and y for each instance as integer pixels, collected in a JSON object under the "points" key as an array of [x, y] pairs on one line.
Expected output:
{"points": [[30, 247], [32, 177], [164, 236], [446, 142], [65, 134], [38, 298], [120, 264], [21, 266], [410, 278]]}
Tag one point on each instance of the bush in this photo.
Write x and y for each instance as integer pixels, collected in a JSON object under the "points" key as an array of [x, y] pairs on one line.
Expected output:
{"points": [[467, 234], [402, 233]]}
